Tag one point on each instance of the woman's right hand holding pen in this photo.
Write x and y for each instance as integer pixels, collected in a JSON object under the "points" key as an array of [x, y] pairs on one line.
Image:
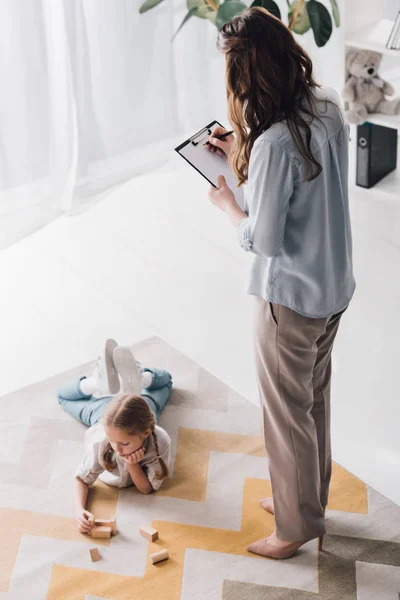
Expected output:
{"points": [[221, 147]]}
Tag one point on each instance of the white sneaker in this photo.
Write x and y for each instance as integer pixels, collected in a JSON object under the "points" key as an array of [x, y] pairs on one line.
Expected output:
{"points": [[105, 372], [128, 370]]}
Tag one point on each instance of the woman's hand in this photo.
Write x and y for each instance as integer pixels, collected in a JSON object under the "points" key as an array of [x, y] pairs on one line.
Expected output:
{"points": [[135, 457], [221, 147], [85, 520], [222, 197]]}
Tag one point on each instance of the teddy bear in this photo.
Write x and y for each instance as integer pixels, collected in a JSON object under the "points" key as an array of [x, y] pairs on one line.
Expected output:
{"points": [[364, 90]]}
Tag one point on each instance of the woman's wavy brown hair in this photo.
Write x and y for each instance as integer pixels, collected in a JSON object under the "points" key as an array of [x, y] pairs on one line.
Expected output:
{"points": [[268, 79], [133, 415]]}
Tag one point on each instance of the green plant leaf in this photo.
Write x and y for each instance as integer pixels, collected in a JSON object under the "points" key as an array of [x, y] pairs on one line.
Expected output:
{"points": [[270, 6], [302, 23], [185, 20], [228, 10], [321, 22], [201, 9], [335, 12], [148, 4]]}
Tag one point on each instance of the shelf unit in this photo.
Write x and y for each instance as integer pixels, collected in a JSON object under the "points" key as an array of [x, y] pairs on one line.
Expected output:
{"points": [[385, 120], [372, 33], [374, 38]]}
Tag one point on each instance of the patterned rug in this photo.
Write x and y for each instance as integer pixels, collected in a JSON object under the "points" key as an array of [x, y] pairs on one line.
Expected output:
{"points": [[206, 514]]}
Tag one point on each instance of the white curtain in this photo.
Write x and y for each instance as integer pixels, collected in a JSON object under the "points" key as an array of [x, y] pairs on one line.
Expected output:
{"points": [[93, 93]]}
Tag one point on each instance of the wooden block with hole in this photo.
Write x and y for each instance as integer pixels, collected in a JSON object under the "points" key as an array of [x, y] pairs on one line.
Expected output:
{"points": [[101, 532], [107, 523], [149, 533], [94, 554], [158, 556]]}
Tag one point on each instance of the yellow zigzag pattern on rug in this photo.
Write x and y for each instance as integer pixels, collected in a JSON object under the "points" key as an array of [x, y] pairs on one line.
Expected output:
{"points": [[189, 483]]}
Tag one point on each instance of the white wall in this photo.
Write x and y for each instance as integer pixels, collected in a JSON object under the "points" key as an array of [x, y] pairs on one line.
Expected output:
{"points": [[365, 408], [390, 8], [365, 398]]}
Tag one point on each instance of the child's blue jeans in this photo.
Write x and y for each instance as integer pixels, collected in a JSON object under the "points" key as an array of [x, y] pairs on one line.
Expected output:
{"points": [[89, 410]]}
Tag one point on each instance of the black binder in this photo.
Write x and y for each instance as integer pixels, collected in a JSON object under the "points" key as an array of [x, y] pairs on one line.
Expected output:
{"points": [[376, 153]]}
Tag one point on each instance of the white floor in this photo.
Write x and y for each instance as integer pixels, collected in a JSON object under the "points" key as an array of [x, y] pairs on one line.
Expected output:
{"points": [[155, 257]]}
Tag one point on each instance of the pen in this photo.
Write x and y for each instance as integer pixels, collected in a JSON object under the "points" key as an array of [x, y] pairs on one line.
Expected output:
{"points": [[220, 137]]}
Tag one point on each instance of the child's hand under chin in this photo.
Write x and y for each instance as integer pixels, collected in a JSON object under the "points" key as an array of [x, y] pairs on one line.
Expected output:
{"points": [[135, 457]]}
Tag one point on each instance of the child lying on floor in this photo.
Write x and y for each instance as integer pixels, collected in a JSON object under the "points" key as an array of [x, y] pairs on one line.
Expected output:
{"points": [[124, 445]]}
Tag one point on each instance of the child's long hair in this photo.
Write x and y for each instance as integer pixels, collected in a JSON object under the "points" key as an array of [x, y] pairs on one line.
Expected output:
{"points": [[133, 415]]}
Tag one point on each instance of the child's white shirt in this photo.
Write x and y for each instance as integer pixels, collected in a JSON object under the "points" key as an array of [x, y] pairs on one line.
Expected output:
{"points": [[92, 465]]}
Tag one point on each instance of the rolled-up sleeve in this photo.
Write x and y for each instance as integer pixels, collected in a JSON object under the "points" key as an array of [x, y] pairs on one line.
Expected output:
{"points": [[270, 187], [90, 468]]}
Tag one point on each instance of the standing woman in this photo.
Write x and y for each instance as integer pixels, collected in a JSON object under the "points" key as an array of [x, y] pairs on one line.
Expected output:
{"points": [[290, 148]]}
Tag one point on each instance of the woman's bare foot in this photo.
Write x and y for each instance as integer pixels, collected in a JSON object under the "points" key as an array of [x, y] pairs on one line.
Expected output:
{"points": [[273, 547], [268, 505]]}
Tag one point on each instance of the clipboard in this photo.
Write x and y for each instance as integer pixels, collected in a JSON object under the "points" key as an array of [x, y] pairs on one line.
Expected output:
{"points": [[207, 163]]}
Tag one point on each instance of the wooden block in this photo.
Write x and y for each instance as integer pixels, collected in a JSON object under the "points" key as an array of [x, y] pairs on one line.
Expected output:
{"points": [[94, 554], [149, 533], [107, 523], [158, 556], [101, 532]]}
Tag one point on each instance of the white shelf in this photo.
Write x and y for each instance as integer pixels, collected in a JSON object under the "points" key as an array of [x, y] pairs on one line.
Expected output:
{"points": [[374, 38], [385, 120], [389, 186]]}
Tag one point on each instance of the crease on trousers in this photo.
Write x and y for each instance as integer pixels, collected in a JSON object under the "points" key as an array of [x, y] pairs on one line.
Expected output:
{"points": [[293, 363]]}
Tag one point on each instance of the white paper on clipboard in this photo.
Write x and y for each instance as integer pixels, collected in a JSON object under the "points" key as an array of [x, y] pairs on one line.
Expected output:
{"points": [[207, 163]]}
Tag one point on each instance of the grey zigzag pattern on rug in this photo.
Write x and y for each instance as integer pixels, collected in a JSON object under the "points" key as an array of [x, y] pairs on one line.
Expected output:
{"points": [[337, 572]]}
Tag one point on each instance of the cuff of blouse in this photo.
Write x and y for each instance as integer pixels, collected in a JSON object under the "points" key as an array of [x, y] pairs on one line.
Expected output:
{"points": [[243, 234]]}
